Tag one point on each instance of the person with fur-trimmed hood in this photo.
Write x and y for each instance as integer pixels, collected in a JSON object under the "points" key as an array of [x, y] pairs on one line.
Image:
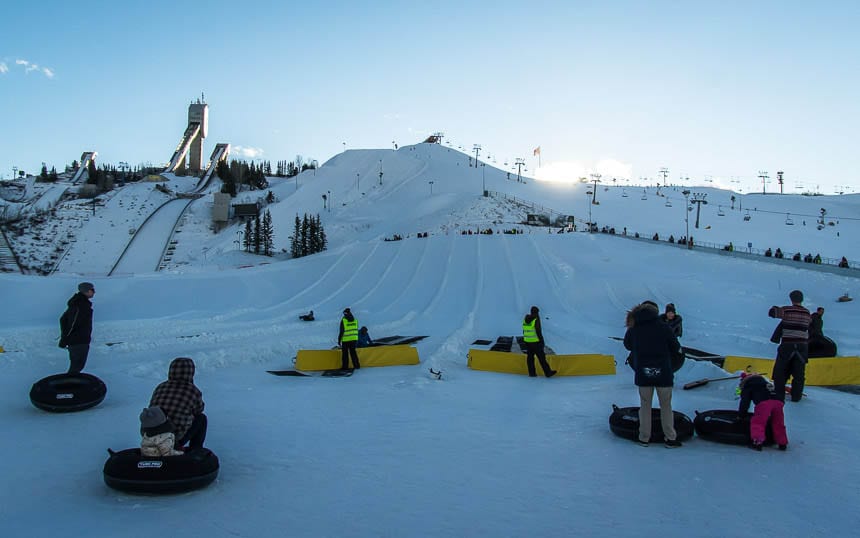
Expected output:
{"points": [[793, 351], [182, 403], [768, 406], [653, 346], [157, 437]]}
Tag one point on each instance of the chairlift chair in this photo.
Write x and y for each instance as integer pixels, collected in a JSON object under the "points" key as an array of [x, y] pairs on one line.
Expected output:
{"points": [[747, 216], [720, 212], [788, 220], [644, 195], [624, 194], [668, 203]]}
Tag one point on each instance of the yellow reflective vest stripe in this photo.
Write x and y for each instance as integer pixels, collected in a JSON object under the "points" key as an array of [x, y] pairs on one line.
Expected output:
{"points": [[350, 330], [529, 332]]}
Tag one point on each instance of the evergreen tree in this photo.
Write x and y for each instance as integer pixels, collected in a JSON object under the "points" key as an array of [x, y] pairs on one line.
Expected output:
{"points": [[258, 236], [268, 234], [44, 175], [53, 175], [295, 239], [225, 174], [304, 247], [323, 241], [246, 240]]}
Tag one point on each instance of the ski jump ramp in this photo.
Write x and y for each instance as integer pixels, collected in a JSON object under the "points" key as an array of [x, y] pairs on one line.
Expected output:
{"points": [[219, 154], [178, 159], [86, 158]]}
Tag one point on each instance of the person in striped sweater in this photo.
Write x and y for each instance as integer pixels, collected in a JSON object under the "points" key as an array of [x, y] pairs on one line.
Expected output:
{"points": [[793, 351]]}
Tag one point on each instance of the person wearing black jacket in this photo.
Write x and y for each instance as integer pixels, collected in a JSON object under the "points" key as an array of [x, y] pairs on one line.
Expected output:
{"points": [[768, 406], [76, 327], [652, 346], [671, 318]]}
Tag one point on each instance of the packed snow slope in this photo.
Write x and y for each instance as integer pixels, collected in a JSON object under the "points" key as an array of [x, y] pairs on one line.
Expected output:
{"points": [[394, 452]]}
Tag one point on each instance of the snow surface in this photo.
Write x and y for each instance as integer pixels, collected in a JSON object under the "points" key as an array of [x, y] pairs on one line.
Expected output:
{"points": [[392, 451]]}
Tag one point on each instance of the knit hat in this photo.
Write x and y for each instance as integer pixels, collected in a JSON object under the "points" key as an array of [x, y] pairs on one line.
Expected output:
{"points": [[670, 307], [152, 417], [347, 311], [796, 296], [534, 310], [84, 287]]}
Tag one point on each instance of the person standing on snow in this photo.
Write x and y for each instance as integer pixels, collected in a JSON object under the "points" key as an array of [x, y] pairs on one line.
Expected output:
{"points": [[182, 403], [652, 346], [347, 339], [76, 327], [671, 318], [533, 337], [793, 351]]}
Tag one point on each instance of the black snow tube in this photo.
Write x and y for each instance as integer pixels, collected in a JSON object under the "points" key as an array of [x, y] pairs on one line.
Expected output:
{"points": [[726, 426], [64, 393], [127, 470], [624, 422], [821, 346]]}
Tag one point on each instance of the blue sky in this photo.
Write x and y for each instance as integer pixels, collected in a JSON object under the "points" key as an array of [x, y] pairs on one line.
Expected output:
{"points": [[711, 91]]}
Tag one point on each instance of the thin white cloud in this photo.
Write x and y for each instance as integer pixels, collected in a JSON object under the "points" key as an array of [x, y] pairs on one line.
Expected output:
{"points": [[30, 66], [247, 152], [3, 68]]}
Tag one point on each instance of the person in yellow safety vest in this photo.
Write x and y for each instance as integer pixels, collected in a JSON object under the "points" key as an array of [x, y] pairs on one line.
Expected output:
{"points": [[347, 339], [533, 337]]}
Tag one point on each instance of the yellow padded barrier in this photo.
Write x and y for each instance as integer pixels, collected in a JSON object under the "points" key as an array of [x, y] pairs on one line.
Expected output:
{"points": [[329, 359], [819, 371], [515, 363]]}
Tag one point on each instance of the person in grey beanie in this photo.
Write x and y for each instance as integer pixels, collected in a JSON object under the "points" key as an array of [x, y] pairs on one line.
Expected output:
{"points": [[76, 327], [158, 437]]}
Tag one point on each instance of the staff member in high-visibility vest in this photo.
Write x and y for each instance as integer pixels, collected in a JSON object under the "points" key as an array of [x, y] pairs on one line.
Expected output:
{"points": [[347, 339], [533, 337]]}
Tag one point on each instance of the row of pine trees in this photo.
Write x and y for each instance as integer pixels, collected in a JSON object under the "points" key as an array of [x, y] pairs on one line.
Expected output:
{"points": [[308, 236]]}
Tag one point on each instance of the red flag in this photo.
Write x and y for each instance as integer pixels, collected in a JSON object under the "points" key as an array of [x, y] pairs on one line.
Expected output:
{"points": [[536, 152]]}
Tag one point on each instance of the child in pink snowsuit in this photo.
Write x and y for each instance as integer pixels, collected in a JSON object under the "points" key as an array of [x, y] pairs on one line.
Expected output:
{"points": [[768, 405]]}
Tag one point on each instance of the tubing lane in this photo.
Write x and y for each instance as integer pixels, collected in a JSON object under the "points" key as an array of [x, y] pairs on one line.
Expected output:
{"points": [[143, 253]]}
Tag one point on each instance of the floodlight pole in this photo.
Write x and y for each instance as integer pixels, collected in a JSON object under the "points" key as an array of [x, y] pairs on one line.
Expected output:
{"points": [[483, 179], [686, 194], [477, 148]]}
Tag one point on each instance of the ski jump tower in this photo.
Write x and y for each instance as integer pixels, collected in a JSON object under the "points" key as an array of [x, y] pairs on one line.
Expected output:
{"points": [[191, 143]]}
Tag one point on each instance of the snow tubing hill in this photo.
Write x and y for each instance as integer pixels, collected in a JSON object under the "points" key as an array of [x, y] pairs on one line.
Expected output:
{"points": [[63, 393], [624, 422], [819, 371], [515, 363], [329, 359], [726, 426], [127, 470]]}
